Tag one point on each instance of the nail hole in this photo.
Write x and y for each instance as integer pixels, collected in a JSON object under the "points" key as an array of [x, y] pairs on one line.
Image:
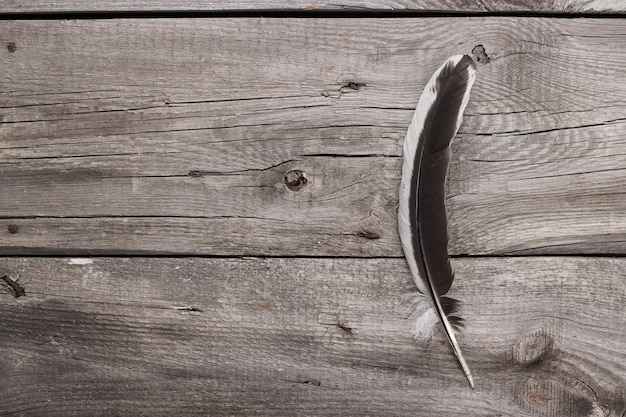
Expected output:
{"points": [[11, 47], [13, 229]]}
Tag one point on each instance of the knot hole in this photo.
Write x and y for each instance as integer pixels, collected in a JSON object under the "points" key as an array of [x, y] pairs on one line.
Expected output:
{"points": [[295, 179]]}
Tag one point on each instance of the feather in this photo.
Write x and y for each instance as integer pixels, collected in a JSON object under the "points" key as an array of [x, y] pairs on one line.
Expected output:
{"points": [[421, 216]]}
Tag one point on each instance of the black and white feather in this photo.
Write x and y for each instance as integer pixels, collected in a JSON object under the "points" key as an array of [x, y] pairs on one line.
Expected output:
{"points": [[422, 216]]}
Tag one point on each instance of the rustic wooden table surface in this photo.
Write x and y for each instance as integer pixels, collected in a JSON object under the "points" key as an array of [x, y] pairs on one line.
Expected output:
{"points": [[200, 205]]}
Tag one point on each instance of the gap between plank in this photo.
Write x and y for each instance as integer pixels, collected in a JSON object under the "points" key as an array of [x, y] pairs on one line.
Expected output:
{"points": [[296, 14], [312, 257]]}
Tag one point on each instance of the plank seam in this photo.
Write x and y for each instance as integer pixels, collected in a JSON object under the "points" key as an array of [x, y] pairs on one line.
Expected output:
{"points": [[298, 14], [311, 257]]}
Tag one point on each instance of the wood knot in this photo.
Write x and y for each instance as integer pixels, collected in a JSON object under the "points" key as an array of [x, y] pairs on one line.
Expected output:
{"points": [[481, 55], [11, 47], [533, 349], [13, 229], [549, 396], [295, 179]]}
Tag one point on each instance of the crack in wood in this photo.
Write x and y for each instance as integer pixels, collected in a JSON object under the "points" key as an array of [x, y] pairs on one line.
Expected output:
{"points": [[518, 132], [313, 382], [202, 173], [189, 309], [368, 234], [569, 174], [345, 155]]}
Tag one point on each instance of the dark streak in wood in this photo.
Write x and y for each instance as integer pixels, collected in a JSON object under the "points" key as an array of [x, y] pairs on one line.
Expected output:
{"points": [[368, 234], [190, 309], [313, 382], [16, 288], [346, 329]]}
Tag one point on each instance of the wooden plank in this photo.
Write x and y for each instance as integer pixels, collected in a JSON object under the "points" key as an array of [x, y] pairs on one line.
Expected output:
{"points": [[175, 136], [191, 336], [473, 6]]}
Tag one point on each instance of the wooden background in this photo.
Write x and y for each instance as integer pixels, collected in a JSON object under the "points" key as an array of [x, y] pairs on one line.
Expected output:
{"points": [[171, 268]]}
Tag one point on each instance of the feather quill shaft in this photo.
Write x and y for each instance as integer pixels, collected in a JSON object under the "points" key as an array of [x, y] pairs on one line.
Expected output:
{"points": [[422, 221]]}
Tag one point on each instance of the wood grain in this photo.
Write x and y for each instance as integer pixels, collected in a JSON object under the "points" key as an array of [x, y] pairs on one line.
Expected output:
{"points": [[234, 138], [175, 135], [161, 336], [474, 6]]}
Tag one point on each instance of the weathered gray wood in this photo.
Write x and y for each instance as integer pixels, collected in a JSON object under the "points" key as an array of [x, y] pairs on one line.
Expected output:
{"points": [[189, 336], [174, 136], [480, 6]]}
